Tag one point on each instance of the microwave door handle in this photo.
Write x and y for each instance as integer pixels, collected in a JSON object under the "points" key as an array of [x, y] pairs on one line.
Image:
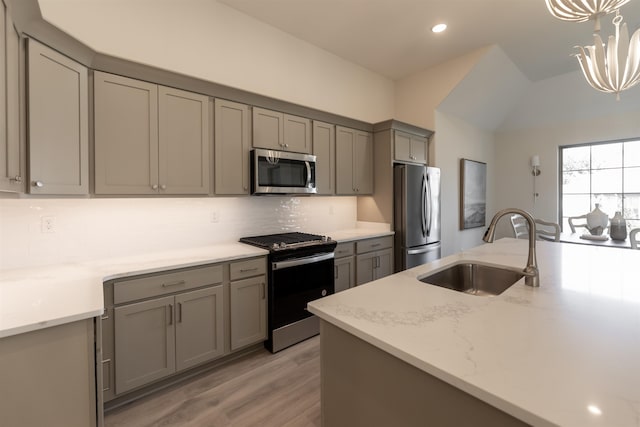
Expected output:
{"points": [[308, 173]]}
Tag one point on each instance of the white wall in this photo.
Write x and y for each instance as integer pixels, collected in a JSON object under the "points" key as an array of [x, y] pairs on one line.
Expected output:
{"points": [[89, 229], [456, 139], [209, 40]]}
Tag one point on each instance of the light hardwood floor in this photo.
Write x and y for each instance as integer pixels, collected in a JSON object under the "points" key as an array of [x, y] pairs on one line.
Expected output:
{"points": [[260, 389]]}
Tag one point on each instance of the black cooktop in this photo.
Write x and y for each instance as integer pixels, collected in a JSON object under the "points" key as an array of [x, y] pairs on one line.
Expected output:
{"points": [[285, 240]]}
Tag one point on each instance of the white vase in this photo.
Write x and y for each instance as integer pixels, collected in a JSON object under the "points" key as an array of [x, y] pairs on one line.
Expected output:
{"points": [[618, 227], [597, 221]]}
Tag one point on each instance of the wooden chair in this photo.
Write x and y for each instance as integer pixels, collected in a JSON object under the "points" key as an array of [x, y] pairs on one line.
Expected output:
{"points": [[634, 238], [546, 230], [582, 223], [520, 227]]}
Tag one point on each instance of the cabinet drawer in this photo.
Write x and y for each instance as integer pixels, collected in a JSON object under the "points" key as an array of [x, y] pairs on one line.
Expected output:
{"points": [[369, 245], [249, 268], [135, 289], [344, 249]]}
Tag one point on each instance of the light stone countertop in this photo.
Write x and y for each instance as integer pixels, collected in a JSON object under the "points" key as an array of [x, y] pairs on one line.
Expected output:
{"points": [[33, 298], [551, 355]]}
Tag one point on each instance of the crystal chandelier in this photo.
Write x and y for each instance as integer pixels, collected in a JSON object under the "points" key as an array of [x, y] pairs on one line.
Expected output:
{"points": [[618, 67]]}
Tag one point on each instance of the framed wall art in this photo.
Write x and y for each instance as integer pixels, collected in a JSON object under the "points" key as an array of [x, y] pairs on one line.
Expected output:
{"points": [[473, 194]]}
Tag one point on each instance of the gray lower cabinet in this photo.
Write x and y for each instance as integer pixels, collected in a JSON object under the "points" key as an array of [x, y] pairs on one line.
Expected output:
{"points": [[58, 107], [344, 266], [324, 148], [374, 259], [279, 131], [149, 139], [156, 338], [12, 165], [232, 145], [248, 305], [354, 162], [47, 377]]}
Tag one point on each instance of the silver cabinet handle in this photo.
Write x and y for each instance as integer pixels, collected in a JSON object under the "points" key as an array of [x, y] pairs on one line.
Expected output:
{"points": [[38, 184], [154, 187], [246, 270], [170, 314], [179, 316], [163, 187], [264, 292], [178, 283], [335, 269], [17, 179]]}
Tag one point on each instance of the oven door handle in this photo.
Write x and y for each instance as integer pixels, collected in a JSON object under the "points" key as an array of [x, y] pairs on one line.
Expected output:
{"points": [[301, 261]]}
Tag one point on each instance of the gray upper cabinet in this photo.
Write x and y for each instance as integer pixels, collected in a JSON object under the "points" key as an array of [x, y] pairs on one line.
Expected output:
{"points": [[58, 123], [410, 148], [12, 167], [136, 155], [279, 131], [232, 144], [354, 162], [324, 148]]}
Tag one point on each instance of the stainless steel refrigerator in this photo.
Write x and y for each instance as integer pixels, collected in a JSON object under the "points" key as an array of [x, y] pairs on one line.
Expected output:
{"points": [[416, 215]]}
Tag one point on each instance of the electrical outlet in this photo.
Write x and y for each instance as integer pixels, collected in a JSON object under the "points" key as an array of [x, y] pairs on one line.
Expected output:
{"points": [[215, 216], [48, 224]]}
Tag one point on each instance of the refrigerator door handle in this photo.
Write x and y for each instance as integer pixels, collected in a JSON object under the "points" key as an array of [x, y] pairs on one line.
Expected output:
{"points": [[423, 203], [430, 248], [429, 206]]}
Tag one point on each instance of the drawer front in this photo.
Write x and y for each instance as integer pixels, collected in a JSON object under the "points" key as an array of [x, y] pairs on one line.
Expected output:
{"points": [[378, 243], [344, 249], [249, 268], [135, 289]]}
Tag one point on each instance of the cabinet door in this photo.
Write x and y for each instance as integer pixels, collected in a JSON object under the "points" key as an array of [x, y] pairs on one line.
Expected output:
{"points": [[345, 141], [12, 173], [199, 327], [297, 134], [232, 144], [248, 303], [324, 148], [126, 135], [363, 163], [384, 263], [344, 273], [144, 342], [365, 265], [419, 149], [402, 146], [183, 142], [268, 129], [58, 123]]}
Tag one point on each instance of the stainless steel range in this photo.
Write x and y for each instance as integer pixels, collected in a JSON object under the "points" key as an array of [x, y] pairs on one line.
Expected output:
{"points": [[301, 269]]}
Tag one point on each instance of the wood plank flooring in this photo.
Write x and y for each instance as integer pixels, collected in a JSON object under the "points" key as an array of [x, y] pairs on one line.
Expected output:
{"points": [[260, 389]]}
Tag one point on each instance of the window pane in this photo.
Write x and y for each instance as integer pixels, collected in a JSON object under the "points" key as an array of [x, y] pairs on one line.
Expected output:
{"points": [[575, 182], [606, 181], [577, 158], [575, 205], [632, 153], [609, 203], [632, 206], [606, 156], [632, 180]]}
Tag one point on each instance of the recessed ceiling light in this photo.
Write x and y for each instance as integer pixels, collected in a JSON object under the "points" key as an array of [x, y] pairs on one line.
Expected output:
{"points": [[439, 28], [594, 410]]}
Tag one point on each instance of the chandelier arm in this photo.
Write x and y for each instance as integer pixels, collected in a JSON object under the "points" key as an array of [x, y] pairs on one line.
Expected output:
{"points": [[588, 69], [632, 68], [598, 61]]}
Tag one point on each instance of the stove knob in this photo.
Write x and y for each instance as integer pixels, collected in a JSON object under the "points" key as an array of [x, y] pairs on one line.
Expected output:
{"points": [[324, 292], [275, 246], [283, 245], [326, 238]]}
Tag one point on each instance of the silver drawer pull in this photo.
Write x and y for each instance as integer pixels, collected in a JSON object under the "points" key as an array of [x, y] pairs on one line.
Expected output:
{"points": [[376, 245], [246, 270], [178, 283]]}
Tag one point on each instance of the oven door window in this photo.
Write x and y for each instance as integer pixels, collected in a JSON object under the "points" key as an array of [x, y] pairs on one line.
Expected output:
{"points": [[293, 287], [282, 172]]}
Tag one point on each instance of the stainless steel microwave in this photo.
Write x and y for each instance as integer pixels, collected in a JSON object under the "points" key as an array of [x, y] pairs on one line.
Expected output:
{"points": [[282, 172]]}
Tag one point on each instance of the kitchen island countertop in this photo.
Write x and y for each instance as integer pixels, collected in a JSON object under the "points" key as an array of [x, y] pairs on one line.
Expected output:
{"points": [[566, 353]]}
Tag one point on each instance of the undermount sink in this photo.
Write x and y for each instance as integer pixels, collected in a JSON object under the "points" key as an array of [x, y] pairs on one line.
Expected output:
{"points": [[474, 279]]}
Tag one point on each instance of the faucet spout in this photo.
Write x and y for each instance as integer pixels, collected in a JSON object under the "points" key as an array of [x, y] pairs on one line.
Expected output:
{"points": [[532, 277]]}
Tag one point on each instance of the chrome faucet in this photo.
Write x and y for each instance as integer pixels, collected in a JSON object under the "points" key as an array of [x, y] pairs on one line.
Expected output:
{"points": [[532, 277]]}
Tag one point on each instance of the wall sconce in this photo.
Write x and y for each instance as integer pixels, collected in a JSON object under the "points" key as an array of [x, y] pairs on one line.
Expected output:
{"points": [[535, 165]]}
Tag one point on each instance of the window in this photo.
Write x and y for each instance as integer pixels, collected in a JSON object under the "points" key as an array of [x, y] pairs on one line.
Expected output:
{"points": [[607, 173]]}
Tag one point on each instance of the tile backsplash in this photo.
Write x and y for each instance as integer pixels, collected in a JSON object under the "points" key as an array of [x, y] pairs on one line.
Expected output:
{"points": [[85, 229]]}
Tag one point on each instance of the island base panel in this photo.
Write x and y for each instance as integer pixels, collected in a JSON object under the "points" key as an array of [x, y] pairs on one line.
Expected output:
{"points": [[365, 386]]}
